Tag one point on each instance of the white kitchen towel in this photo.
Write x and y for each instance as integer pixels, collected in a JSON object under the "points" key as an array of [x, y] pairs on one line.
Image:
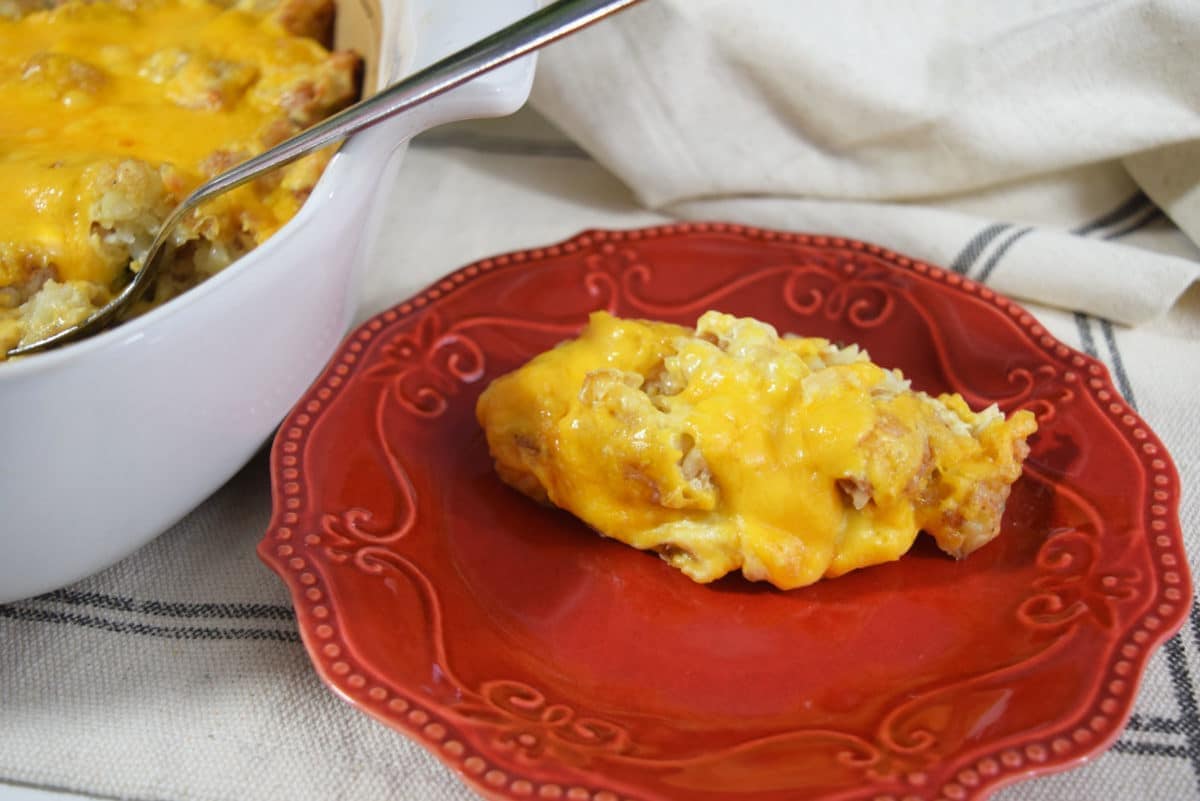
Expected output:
{"points": [[178, 674], [1011, 127]]}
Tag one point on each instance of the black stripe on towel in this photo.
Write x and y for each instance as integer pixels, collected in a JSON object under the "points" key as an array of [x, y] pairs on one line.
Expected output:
{"points": [[1118, 364], [1149, 217], [23, 613], [1086, 340], [169, 609], [1149, 749], [1121, 213], [970, 252], [995, 258], [1152, 723]]}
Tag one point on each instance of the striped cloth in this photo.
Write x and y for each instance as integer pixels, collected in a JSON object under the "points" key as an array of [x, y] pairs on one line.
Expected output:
{"points": [[178, 674]]}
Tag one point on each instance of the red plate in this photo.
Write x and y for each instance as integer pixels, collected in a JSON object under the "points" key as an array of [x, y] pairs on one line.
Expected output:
{"points": [[541, 661]]}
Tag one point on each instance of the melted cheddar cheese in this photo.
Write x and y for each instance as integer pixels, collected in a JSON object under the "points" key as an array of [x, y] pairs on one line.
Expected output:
{"points": [[730, 448], [114, 111]]}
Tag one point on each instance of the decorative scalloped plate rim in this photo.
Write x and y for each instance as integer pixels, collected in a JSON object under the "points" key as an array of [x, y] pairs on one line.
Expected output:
{"points": [[1107, 710]]}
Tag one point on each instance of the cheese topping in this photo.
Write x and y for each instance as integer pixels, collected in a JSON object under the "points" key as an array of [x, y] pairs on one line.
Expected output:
{"points": [[113, 111], [91, 83], [730, 448]]}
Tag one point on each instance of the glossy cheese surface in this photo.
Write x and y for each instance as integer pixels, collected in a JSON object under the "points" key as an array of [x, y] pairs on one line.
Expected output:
{"points": [[730, 448], [168, 82], [114, 110]]}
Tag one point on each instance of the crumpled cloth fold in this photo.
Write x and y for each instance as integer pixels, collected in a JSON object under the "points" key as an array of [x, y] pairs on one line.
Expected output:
{"points": [[926, 124]]}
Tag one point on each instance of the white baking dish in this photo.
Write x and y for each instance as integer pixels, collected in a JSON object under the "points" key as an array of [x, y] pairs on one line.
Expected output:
{"points": [[107, 442]]}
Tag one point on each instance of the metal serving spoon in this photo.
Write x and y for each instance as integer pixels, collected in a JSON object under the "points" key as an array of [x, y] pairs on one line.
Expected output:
{"points": [[527, 34]]}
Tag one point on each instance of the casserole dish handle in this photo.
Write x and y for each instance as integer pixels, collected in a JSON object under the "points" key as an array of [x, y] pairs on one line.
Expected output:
{"points": [[417, 33]]}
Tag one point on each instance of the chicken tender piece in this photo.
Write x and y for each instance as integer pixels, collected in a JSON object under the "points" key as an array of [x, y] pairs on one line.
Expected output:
{"points": [[730, 448]]}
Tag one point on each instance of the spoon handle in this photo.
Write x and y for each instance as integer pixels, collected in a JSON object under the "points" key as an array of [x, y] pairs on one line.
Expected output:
{"points": [[521, 38]]}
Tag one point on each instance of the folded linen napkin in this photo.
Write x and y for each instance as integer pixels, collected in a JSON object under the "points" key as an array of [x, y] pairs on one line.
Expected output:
{"points": [[928, 124]]}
